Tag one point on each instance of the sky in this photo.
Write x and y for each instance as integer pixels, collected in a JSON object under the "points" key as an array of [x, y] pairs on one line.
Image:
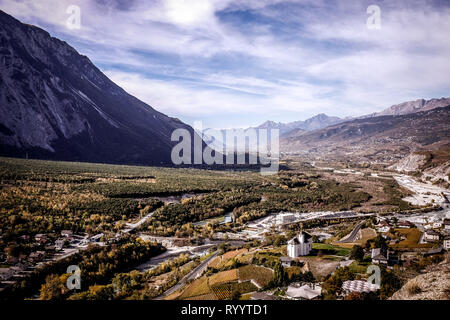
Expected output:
{"points": [[238, 63]]}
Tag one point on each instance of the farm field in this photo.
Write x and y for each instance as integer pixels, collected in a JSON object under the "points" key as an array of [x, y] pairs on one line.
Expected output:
{"points": [[38, 196], [224, 284], [411, 241], [260, 275], [329, 249]]}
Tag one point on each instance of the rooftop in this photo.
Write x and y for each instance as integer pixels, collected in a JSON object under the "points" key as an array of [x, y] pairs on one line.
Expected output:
{"points": [[359, 286]]}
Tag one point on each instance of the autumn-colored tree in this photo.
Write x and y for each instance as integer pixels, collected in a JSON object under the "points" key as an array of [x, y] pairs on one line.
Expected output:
{"points": [[55, 287]]}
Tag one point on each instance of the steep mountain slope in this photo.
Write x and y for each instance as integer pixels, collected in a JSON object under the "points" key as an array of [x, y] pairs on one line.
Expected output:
{"points": [[433, 284], [433, 164], [56, 104], [377, 138]]}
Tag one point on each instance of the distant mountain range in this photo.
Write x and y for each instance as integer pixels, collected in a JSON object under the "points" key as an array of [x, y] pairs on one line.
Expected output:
{"points": [[384, 138], [412, 107], [384, 133], [213, 137], [317, 122], [321, 121], [55, 104]]}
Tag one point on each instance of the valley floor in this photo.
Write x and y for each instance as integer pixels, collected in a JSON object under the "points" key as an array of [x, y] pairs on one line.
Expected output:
{"points": [[191, 229]]}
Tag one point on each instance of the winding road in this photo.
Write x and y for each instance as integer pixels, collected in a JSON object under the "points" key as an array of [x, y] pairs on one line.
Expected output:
{"points": [[352, 236]]}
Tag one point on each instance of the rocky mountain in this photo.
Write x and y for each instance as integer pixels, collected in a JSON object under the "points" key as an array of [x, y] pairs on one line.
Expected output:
{"points": [[386, 138], [413, 106], [215, 137], [56, 104], [317, 122], [434, 165], [434, 284]]}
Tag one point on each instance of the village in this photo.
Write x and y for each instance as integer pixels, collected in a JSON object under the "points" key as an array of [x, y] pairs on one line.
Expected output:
{"points": [[294, 255]]}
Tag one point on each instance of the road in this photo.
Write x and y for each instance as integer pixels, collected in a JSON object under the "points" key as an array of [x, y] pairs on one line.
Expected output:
{"points": [[352, 236], [132, 226], [190, 276]]}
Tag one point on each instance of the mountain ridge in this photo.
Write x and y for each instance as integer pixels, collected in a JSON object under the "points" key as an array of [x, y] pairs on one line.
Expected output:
{"points": [[384, 137], [57, 105]]}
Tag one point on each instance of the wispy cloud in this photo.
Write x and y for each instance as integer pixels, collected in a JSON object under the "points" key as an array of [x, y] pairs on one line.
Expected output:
{"points": [[237, 62]]}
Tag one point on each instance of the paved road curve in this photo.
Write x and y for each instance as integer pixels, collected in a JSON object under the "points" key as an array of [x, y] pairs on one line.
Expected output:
{"points": [[352, 236]]}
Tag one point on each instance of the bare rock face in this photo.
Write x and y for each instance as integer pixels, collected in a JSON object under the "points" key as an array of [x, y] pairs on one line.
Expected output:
{"points": [[410, 163], [414, 106], [433, 285], [55, 104]]}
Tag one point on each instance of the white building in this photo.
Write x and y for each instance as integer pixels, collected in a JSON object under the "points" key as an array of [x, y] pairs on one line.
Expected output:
{"points": [[285, 218], [431, 236], [447, 224], [300, 245], [306, 292], [437, 225], [384, 229], [447, 243]]}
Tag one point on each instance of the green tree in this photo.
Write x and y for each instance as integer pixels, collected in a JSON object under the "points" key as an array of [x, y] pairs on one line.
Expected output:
{"points": [[357, 253], [279, 276], [380, 242]]}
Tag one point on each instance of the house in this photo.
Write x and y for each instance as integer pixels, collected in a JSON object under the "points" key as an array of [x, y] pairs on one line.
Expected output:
{"points": [[385, 258], [431, 236], [67, 233], [393, 258], [447, 225], [300, 245], [6, 274], [285, 218], [375, 252], [286, 261], [380, 259], [59, 244], [447, 242], [437, 225], [305, 292], [405, 224], [384, 229], [36, 256], [41, 238]]}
